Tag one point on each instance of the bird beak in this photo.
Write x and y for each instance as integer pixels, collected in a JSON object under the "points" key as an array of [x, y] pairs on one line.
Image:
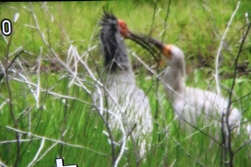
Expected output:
{"points": [[148, 44], [164, 49], [152, 45], [127, 34]]}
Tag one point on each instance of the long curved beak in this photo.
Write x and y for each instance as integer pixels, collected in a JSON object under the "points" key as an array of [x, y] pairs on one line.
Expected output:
{"points": [[152, 45]]}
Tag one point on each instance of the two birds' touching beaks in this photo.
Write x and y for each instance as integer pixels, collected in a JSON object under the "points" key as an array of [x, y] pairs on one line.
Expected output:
{"points": [[188, 103], [130, 104]]}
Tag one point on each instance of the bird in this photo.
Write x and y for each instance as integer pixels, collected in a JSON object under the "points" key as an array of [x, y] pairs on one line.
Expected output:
{"points": [[127, 106], [189, 104]]}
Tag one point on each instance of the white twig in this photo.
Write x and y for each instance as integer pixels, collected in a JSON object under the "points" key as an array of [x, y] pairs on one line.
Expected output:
{"points": [[219, 51], [144, 64], [52, 93], [72, 54], [4, 37], [173, 163], [45, 7], [91, 38], [38, 152], [5, 102], [2, 164], [29, 121], [33, 27], [18, 50], [27, 81], [54, 140], [118, 119], [38, 78], [21, 140], [101, 105], [88, 70], [46, 152]]}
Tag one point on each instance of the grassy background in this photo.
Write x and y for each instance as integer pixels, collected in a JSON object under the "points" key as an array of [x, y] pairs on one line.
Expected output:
{"points": [[196, 26]]}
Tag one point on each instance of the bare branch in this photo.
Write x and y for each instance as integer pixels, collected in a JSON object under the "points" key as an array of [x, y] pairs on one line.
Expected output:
{"points": [[38, 152], [54, 140], [220, 48]]}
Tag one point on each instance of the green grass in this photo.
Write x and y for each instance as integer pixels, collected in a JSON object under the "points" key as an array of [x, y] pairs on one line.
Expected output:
{"points": [[189, 25]]}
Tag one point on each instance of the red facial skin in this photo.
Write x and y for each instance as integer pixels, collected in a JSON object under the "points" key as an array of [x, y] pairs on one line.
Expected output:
{"points": [[123, 29]]}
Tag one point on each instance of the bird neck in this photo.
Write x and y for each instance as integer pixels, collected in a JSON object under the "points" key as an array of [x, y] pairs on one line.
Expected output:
{"points": [[113, 47], [120, 78], [174, 82], [116, 61], [116, 58]]}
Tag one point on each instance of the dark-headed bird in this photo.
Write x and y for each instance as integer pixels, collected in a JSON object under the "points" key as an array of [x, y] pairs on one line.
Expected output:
{"points": [[127, 108]]}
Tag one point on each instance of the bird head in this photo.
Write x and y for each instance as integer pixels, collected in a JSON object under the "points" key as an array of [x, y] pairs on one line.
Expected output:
{"points": [[172, 53], [175, 56], [144, 41]]}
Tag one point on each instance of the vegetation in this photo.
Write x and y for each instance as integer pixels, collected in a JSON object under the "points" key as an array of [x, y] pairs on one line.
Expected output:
{"points": [[46, 109]]}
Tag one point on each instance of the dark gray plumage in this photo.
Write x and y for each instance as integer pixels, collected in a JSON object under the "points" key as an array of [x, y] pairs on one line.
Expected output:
{"points": [[126, 103], [115, 54]]}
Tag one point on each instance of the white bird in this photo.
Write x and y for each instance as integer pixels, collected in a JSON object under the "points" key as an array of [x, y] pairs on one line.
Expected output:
{"points": [[192, 103], [127, 107], [189, 103]]}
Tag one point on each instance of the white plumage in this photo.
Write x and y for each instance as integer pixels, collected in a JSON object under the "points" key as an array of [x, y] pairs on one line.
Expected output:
{"points": [[188, 103], [127, 107]]}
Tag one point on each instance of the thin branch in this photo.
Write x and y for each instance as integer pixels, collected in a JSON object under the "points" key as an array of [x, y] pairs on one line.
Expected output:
{"points": [[231, 93], [220, 48], [54, 140], [11, 108], [19, 51], [178, 144], [38, 78], [38, 152]]}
